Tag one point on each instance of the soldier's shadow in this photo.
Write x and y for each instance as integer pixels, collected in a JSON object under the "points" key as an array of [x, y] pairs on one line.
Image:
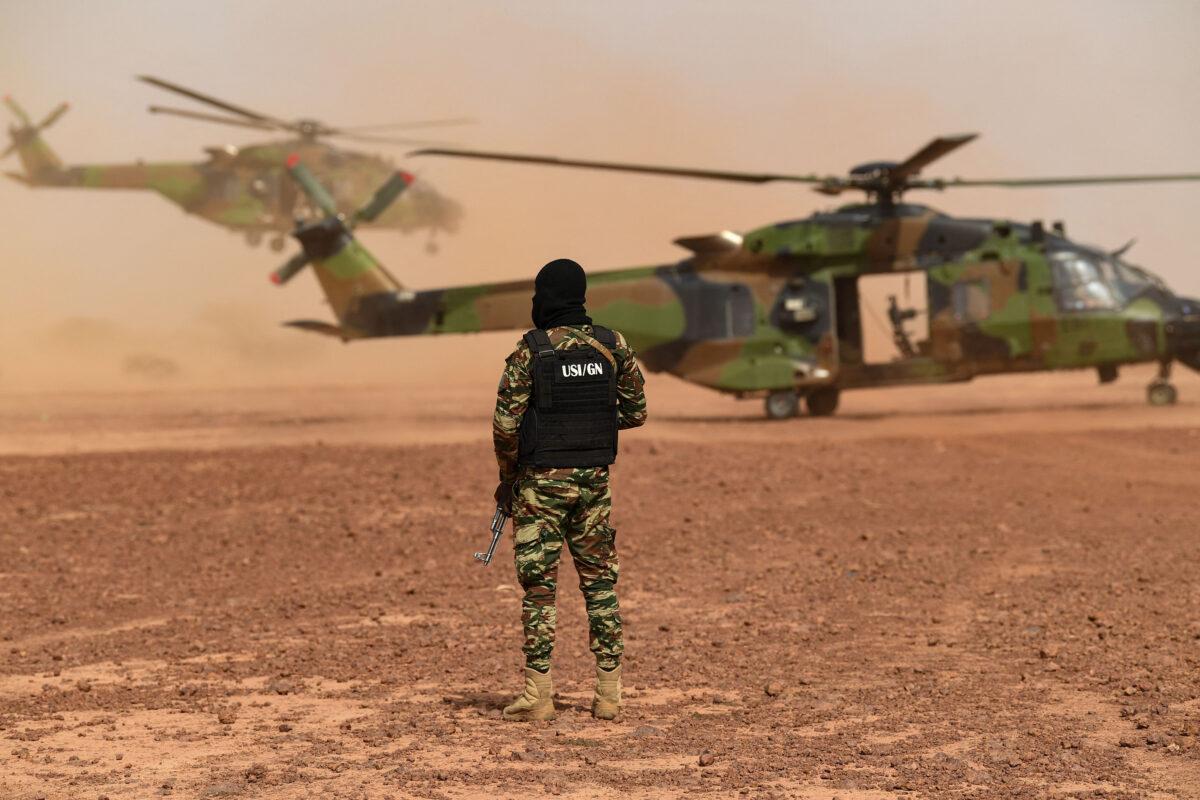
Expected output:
{"points": [[493, 701], [483, 701]]}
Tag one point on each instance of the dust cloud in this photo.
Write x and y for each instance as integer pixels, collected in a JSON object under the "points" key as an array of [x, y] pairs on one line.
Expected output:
{"points": [[120, 289]]}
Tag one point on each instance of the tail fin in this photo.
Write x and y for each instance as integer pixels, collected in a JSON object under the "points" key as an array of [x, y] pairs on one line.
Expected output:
{"points": [[41, 164], [354, 282]]}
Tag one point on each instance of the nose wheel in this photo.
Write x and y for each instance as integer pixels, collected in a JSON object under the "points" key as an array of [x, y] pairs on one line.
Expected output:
{"points": [[1162, 392], [783, 404]]}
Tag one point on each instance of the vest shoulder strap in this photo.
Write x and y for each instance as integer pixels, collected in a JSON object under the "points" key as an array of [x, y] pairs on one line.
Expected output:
{"points": [[538, 343], [605, 336], [540, 346]]}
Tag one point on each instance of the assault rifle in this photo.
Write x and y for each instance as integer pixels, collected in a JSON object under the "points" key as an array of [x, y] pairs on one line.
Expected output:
{"points": [[499, 520]]}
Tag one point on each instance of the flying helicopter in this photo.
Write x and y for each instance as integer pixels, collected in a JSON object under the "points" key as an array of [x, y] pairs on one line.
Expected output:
{"points": [[778, 312], [246, 189]]}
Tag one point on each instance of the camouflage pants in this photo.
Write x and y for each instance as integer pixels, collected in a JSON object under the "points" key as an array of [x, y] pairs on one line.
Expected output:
{"points": [[547, 512]]}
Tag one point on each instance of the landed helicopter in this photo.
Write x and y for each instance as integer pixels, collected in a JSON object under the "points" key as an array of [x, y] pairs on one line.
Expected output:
{"points": [[778, 312], [246, 189]]}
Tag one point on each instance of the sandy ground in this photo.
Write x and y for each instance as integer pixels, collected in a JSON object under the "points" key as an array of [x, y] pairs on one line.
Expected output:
{"points": [[977, 591]]}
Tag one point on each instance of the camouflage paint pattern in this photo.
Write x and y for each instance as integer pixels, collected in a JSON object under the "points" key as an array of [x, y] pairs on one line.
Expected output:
{"points": [[553, 505], [546, 513], [246, 189], [760, 313]]}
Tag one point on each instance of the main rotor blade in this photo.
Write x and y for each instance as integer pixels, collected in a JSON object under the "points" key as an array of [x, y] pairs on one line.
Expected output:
{"points": [[422, 123], [1016, 183], [212, 101], [241, 123], [930, 153], [679, 172], [359, 137]]}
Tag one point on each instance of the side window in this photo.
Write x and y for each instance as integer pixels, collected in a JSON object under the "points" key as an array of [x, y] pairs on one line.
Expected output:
{"points": [[798, 305], [971, 301], [1079, 284], [265, 185], [717, 310], [739, 311], [802, 308], [228, 186]]}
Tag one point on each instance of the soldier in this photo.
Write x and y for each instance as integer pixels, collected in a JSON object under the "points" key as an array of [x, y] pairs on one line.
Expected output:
{"points": [[566, 390]]}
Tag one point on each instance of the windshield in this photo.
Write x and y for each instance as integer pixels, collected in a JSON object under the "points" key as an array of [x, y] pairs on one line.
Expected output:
{"points": [[1082, 284], [1135, 279], [1087, 282]]}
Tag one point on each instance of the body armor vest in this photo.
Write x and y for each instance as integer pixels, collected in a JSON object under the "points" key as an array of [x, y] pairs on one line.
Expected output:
{"points": [[572, 416]]}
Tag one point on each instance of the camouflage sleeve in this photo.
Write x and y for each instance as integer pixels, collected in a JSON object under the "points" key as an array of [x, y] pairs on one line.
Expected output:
{"points": [[512, 398], [631, 393]]}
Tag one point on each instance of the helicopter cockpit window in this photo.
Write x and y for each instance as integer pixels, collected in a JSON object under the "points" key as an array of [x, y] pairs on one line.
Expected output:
{"points": [[1135, 280], [1081, 284]]}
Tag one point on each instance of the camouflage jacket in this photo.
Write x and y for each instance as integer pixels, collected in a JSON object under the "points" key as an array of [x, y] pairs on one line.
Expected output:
{"points": [[516, 385]]}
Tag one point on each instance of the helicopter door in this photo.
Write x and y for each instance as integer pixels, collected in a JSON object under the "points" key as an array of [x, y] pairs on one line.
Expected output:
{"points": [[849, 321], [894, 316], [979, 313]]}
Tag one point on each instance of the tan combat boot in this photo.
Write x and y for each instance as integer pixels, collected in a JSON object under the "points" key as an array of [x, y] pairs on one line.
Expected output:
{"points": [[607, 700], [536, 702]]}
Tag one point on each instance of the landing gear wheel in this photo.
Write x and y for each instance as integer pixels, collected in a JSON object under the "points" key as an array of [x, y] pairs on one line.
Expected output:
{"points": [[277, 243], [1161, 393], [822, 402], [782, 404]]}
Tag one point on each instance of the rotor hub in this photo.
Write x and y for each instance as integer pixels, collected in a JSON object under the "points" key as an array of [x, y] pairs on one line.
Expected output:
{"points": [[873, 168], [309, 128]]}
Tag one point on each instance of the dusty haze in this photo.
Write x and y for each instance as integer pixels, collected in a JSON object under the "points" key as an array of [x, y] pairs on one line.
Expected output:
{"points": [[225, 588], [121, 288]]}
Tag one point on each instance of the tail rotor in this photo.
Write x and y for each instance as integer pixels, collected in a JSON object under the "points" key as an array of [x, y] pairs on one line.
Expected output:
{"points": [[326, 238], [26, 131], [383, 198], [290, 268]]}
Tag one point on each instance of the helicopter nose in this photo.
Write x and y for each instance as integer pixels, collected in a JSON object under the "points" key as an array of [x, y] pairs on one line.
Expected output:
{"points": [[1183, 332]]}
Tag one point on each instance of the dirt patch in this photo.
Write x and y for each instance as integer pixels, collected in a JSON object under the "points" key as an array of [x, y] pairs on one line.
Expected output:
{"points": [[991, 615]]}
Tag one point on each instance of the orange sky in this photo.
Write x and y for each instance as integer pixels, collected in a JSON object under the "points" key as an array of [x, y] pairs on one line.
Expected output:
{"points": [[1055, 88]]}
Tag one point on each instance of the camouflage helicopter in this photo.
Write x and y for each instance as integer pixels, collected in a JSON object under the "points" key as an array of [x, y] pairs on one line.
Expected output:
{"points": [[778, 312], [245, 189]]}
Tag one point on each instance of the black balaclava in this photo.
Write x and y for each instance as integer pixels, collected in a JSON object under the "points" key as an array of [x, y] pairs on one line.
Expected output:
{"points": [[558, 294]]}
